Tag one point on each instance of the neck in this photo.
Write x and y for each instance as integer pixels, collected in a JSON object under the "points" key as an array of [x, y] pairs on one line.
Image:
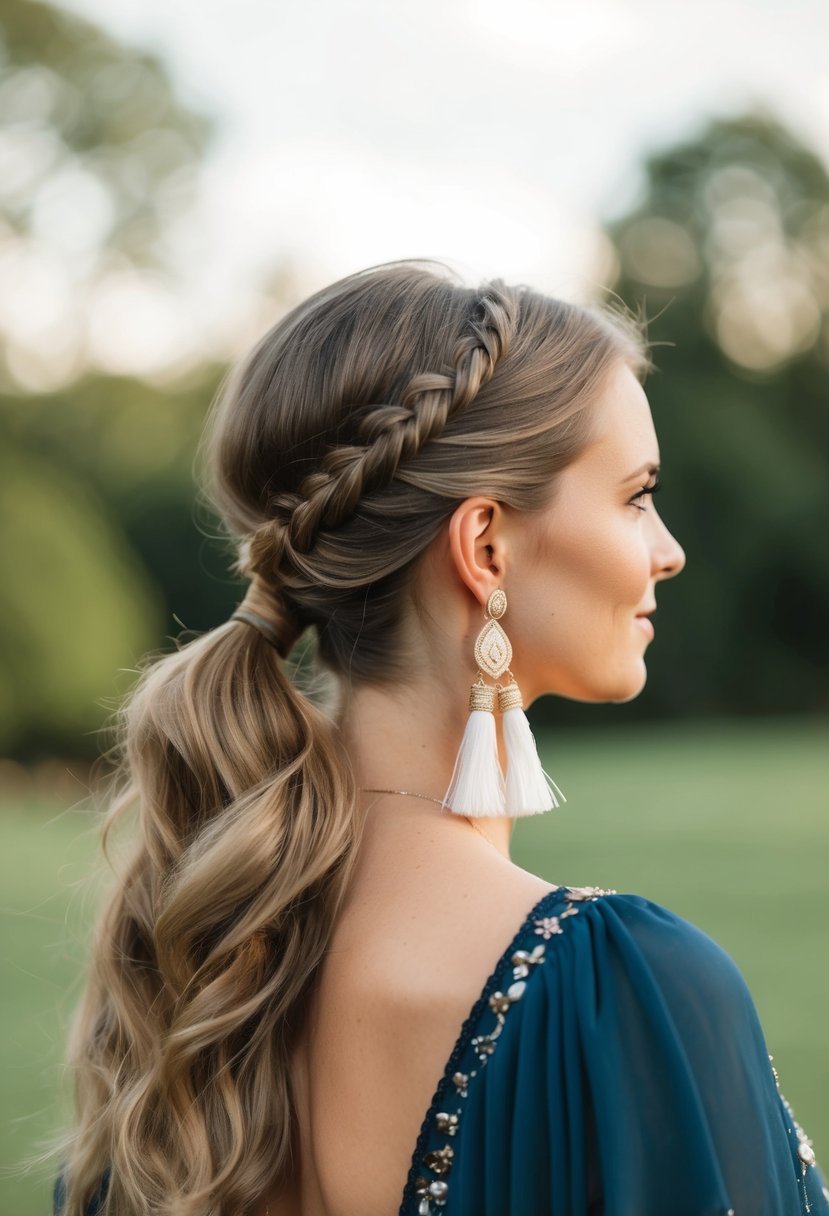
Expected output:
{"points": [[408, 740]]}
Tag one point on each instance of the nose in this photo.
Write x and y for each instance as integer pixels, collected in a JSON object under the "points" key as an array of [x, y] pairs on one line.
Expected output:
{"points": [[667, 554]]}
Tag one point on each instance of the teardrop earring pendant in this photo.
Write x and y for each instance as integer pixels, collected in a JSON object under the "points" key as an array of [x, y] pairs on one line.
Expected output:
{"points": [[477, 787]]}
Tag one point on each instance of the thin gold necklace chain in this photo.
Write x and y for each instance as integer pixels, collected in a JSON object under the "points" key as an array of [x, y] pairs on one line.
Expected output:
{"points": [[439, 801]]}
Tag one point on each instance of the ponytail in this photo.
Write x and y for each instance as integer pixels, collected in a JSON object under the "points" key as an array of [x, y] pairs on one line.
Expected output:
{"points": [[206, 951]]}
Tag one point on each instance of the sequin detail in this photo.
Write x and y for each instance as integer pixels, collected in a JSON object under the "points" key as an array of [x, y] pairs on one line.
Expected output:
{"points": [[805, 1151], [431, 1185]]}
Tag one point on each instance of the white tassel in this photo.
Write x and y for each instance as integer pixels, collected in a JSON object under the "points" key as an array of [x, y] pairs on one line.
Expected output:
{"points": [[477, 786], [529, 789]]}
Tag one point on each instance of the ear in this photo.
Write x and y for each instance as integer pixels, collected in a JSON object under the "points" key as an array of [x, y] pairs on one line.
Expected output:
{"points": [[477, 543]]}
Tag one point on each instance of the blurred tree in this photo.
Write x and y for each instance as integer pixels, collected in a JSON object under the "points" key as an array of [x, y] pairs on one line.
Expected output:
{"points": [[106, 551], [729, 252], [97, 158], [75, 604]]}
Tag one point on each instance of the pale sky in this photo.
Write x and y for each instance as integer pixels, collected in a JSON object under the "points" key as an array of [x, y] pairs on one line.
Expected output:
{"points": [[494, 136]]}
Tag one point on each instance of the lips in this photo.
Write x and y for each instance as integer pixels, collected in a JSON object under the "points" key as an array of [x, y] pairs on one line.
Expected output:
{"points": [[642, 620]]}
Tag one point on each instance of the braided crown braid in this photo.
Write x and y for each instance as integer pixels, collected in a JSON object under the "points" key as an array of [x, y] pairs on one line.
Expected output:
{"points": [[391, 434], [366, 415]]}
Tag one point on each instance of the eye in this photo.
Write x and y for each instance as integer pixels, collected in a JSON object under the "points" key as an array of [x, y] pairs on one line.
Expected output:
{"points": [[652, 489]]}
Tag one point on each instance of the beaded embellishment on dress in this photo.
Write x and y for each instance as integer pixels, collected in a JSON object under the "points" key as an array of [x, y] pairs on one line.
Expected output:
{"points": [[430, 1174], [805, 1152]]}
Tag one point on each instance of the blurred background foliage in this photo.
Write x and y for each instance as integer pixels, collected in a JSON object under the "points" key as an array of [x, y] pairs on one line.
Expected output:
{"points": [[727, 249], [99, 159]]}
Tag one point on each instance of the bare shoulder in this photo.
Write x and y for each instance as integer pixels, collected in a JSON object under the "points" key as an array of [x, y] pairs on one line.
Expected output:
{"points": [[437, 943]]}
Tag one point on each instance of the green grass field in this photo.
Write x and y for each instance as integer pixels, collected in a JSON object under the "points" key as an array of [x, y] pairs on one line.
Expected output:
{"points": [[728, 825]]}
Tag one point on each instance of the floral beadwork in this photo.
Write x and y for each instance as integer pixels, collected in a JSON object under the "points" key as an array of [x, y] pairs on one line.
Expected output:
{"points": [[446, 1123], [432, 1188], [440, 1161], [805, 1151], [522, 960], [583, 894], [546, 926], [427, 1190]]}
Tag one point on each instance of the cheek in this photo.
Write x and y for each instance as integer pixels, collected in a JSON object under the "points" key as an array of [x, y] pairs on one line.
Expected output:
{"points": [[574, 607], [599, 571], [626, 567]]}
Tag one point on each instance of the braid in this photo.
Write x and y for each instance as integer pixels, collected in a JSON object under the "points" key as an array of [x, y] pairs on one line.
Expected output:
{"points": [[392, 434]]}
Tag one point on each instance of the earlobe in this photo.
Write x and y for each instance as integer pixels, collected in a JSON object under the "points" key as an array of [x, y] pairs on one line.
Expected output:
{"points": [[476, 546]]}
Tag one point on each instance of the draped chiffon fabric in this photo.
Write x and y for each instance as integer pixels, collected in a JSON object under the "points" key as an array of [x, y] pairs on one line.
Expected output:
{"points": [[622, 1071]]}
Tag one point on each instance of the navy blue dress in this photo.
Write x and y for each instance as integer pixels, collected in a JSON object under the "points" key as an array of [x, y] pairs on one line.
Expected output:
{"points": [[614, 1065]]}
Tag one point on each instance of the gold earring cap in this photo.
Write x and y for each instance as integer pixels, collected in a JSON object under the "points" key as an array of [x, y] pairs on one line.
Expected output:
{"points": [[481, 696], [510, 697]]}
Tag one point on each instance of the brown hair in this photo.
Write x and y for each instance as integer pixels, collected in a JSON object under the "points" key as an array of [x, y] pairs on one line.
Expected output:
{"points": [[334, 454]]}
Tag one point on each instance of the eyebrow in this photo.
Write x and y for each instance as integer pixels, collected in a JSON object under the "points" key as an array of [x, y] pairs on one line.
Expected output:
{"points": [[651, 469]]}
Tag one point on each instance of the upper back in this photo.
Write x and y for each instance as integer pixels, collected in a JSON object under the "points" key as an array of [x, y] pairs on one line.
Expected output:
{"points": [[405, 966]]}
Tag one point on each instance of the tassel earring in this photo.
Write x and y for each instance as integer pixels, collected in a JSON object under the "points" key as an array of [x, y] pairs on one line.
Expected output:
{"points": [[477, 787], [530, 790]]}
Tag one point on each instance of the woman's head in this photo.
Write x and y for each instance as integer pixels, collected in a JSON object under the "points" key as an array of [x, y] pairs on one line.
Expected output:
{"points": [[342, 446]]}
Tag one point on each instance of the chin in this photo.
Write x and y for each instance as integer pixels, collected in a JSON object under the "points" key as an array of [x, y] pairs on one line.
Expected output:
{"points": [[633, 688]]}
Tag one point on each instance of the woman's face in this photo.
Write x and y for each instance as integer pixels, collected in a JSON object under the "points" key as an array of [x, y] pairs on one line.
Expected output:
{"points": [[587, 567]]}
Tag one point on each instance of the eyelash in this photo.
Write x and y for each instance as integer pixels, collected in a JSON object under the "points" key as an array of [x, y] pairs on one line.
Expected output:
{"points": [[654, 489]]}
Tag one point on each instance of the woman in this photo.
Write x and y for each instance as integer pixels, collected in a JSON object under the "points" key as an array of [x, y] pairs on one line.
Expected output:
{"points": [[321, 987]]}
